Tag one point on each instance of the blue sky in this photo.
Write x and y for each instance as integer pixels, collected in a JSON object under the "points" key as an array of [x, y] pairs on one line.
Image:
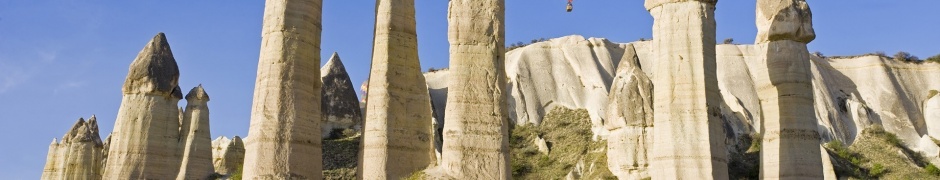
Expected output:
{"points": [[65, 59]]}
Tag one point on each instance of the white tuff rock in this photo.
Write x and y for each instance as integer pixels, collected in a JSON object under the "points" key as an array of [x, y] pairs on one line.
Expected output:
{"points": [[78, 156], [630, 120], [785, 90], [284, 139], [145, 140], [398, 133], [228, 155], [570, 71], [476, 128], [687, 100], [197, 142]]}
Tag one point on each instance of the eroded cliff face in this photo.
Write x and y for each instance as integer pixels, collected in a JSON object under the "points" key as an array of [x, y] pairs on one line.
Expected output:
{"points": [[569, 71]]}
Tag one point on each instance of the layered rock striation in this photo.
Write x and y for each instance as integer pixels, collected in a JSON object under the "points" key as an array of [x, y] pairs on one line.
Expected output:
{"points": [[284, 135], [687, 98], [476, 126], [785, 90], [197, 142], [339, 105], [398, 133], [79, 155], [145, 140]]}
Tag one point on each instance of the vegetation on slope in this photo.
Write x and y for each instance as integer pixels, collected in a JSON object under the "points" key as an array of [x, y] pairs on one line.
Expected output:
{"points": [[934, 59], [340, 157], [568, 133], [878, 154]]}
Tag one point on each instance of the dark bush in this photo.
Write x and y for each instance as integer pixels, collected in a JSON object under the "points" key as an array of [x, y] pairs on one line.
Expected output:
{"points": [[728, 41], [905, 57]]}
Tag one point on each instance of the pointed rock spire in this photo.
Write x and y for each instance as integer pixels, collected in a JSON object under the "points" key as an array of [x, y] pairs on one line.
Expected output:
{"points": [[73, 131], [195, 141], [147, 129], [339, 105], [78, 156], [154, 71], [92, 125], [197, 93]]}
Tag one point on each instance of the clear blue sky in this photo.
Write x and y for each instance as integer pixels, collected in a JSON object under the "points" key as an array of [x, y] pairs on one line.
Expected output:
{"points": [[65, 59]]}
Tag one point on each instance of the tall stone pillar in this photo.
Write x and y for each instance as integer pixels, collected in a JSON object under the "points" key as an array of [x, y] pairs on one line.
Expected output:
{"points": [[397, 138], [476, 129], [197, 142], [284, 136], [690, 138], [789, 149], [144, 143]]}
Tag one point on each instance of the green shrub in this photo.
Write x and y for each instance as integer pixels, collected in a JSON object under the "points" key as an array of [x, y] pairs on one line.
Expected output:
{"points": [[876, 170], [416, 176], [756, 141], [935, 59], [237, 175], [728, 41], [906, 57], [933, 170]]}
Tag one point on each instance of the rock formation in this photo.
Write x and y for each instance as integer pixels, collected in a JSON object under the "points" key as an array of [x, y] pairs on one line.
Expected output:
{"points": [[437, 87], [630, 120], [850, 93], [196, 147], [228, 155], [476, 131], [785, 90], [145, 139], [570, 71], [932, 113], [339, 105], [687, 97], [284, 136], [78, 155], [397, 138]]}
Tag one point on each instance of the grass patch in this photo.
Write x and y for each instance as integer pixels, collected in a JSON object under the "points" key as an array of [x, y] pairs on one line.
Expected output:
{"points": [[340, 157], [878, 154], [932, 170], [568, 133], [417, 176]]}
